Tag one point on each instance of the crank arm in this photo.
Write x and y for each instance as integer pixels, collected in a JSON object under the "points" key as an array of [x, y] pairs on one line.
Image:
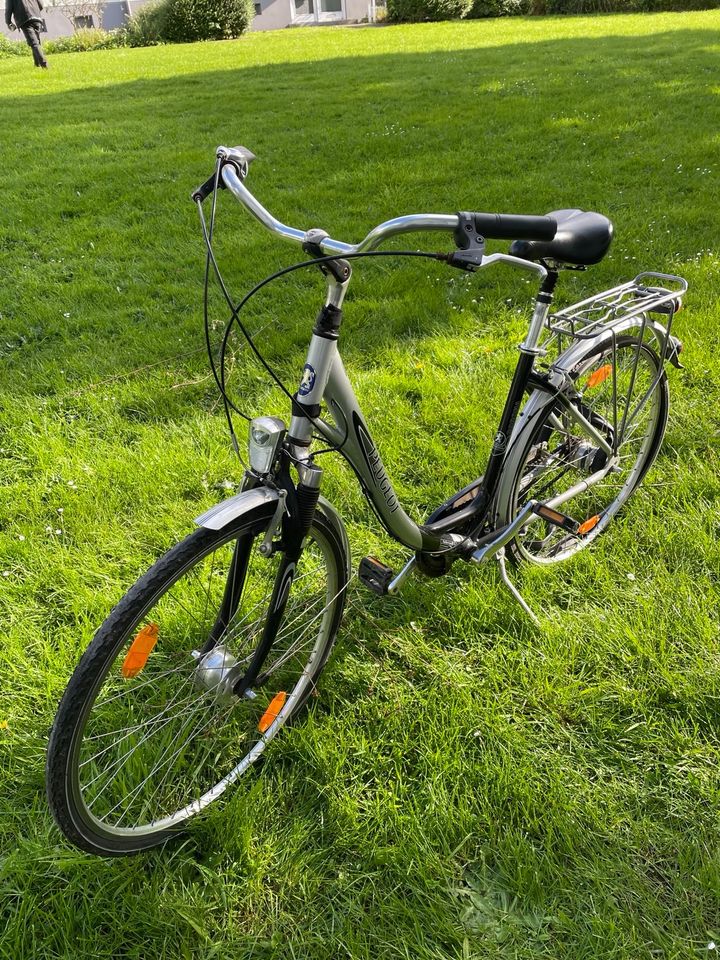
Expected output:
{"points": [[505, 535]]}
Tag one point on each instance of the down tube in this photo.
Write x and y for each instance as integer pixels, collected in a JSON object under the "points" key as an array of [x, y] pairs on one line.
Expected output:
{"points": [[362, 454]]}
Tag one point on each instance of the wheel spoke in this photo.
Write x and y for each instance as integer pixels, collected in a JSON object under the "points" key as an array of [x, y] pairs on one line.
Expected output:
{"points": [[123, 759], [164, 761]]}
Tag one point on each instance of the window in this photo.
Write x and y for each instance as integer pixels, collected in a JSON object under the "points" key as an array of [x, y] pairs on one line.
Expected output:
{"points": [[83, 22], [258, 9]]}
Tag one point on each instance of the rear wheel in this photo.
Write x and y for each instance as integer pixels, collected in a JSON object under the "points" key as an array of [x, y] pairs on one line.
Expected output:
{"points": [[622, 391], [171, 702]]}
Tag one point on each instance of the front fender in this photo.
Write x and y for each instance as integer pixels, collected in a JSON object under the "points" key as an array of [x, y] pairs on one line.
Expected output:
{"points": [[229, 510], [223, 513]]}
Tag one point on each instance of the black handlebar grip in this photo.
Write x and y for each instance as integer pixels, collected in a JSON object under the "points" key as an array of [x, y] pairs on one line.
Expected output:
{"points": [[205, 189], [510, 226]]}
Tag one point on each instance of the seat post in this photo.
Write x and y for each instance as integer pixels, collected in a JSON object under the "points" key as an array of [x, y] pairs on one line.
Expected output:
{"points": [[542, 308]]}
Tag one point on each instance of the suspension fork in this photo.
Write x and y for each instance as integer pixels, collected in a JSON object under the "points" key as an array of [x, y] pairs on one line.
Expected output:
{"points": [[295, 527], [234, 585], [235, 582]]}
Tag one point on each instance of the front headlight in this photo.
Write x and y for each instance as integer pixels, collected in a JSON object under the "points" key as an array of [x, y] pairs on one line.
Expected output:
{"points": [[264, 439]]}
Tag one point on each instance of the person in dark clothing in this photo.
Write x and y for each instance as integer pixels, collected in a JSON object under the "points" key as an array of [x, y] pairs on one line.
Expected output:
{"points": [[27, 17]]}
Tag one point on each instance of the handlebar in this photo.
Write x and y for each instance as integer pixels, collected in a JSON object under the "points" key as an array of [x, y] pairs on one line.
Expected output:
{"points": [[234, 166], [408, 224]]}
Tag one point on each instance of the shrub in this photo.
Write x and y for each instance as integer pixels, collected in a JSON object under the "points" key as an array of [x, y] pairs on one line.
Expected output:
{"points": [[187, 20], [145, 28], [412, 11], [498, 8], [618, 6], [87, 39], [12, 48], [184, 21]]}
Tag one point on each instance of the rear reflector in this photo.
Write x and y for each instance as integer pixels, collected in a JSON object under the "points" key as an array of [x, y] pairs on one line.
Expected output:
{"points": [[589, 525], [599, 376], [140, 650]]}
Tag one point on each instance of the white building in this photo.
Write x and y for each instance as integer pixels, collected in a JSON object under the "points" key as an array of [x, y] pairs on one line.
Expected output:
{"points": [[272, 14]]}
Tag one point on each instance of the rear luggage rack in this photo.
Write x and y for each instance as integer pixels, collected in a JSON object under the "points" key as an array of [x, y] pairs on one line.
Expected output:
{"points": [[636, 298]]}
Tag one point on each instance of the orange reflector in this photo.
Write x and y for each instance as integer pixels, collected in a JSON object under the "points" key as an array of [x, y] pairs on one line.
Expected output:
{"points": [[600, 376], [589, 525], [271, 714], [140, 650]]}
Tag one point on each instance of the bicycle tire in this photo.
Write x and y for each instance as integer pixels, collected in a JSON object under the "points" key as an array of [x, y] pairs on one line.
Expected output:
{"points": [[537, 450], [83, 718]]}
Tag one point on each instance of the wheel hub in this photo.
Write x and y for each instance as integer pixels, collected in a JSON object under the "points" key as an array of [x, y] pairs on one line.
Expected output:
{"points": [[216, 670], [590, 458]]}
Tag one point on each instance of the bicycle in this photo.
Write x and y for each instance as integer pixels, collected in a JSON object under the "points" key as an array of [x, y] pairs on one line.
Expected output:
{"points": [[223, 640]]}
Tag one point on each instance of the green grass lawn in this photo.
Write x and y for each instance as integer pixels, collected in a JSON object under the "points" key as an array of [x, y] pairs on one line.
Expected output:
{"points": [[466, 786]]}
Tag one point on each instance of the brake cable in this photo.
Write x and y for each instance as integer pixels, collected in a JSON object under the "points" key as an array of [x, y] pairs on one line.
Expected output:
{"points": [[236, 308]]}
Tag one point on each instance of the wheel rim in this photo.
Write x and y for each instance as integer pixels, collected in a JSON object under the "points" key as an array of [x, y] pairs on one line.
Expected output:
{"points": [[627, 395], [156, 748]]}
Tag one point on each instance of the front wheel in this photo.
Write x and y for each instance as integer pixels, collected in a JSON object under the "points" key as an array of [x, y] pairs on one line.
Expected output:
{"points": [[621, 390], [182, 689]]}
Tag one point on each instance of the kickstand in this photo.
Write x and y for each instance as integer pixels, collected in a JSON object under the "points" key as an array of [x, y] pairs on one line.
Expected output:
{"points": [[500, 557]]}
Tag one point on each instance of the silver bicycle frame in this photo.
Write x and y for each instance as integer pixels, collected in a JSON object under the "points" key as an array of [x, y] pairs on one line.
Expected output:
{"points": [[324, 376], [324, 379], [349, 433]]}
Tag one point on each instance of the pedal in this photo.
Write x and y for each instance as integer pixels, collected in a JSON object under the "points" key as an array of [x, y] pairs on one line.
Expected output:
{"points": [[375, 575], [556, 518]]}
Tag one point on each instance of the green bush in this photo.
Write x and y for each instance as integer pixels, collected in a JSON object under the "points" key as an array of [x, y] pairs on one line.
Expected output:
{"points": [[87, 39], [12, 48], [412, 11], [622, 6], [145, 28], [618, 6], [165, 21], [498, 8], [187, 20], [184, 21]]}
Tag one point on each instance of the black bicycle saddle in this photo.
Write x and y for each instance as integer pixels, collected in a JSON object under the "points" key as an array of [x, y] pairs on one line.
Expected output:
{"points": [[582, 238]]}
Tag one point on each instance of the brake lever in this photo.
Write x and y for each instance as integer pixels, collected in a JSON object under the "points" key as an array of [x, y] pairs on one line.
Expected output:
{"points": [[239, 157]]}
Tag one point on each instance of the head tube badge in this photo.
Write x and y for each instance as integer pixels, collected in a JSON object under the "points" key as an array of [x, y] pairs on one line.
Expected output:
{"points": [[308, 380]]}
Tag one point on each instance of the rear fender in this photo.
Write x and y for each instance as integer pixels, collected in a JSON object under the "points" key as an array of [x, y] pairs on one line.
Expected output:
{"points": [[562, 375], [564, 367], [567, 361]]}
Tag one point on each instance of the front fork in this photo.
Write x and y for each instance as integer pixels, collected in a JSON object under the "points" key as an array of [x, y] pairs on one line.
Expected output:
{"points": [[295, 523], [296, 509]]}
